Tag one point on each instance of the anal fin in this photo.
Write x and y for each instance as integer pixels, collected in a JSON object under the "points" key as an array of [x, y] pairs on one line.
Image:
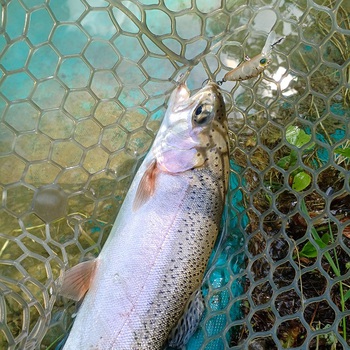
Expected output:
{"points": [[77, 280], [189, 321]]}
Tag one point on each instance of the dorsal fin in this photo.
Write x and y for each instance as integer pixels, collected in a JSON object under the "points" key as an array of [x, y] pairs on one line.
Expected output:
{"points": [[146, 186], [77, 280]]}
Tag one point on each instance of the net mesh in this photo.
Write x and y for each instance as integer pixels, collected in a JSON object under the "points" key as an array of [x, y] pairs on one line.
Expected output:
{"points": [[82, 93]]}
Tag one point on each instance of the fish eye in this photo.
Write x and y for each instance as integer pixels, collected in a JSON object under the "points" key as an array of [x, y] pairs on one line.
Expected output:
{"points": [[263, 61], [202, 114], [198, 111]]}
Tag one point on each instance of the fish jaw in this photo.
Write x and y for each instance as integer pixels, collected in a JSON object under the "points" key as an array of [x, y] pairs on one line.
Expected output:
{"points": [[180, 94]]}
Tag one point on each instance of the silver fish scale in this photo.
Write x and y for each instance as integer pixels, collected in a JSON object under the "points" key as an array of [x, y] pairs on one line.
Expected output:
{"points": [[184, 273]]}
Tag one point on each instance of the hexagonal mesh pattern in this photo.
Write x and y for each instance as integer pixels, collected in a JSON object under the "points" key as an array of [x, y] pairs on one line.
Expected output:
{"points": [[82, 92]]}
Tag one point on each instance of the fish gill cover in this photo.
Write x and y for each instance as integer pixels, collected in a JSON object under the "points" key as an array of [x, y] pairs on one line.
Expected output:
{"points": [[83, 89]]}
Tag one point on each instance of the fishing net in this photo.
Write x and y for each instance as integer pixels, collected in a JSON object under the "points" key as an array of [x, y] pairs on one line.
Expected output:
{"points": [[83, 89]]}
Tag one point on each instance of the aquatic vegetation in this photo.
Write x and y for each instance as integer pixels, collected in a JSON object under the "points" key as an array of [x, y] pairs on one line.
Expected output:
{"points": [[313, 250], [297, 137]]}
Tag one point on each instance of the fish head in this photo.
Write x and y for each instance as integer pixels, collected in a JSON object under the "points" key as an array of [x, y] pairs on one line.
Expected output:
{"points": [[193, 134], [193, 128]]}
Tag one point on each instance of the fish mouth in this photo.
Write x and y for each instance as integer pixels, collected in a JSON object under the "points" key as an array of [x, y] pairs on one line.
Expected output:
{"points": [[179, 96], [183, 100]]}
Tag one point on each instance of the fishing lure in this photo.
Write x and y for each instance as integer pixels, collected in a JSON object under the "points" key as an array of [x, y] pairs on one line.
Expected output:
{"points": [[252, 67]]}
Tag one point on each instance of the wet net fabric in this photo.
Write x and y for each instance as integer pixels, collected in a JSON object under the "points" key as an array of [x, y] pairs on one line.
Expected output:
{"points": [[83, 89]]}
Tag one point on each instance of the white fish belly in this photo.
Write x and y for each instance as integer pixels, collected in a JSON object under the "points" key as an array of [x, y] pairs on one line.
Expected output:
{"points": [[152, 262]]}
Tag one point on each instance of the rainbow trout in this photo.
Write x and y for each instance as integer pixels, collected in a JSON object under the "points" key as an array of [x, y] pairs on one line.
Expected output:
{"points": [[155, 257]]}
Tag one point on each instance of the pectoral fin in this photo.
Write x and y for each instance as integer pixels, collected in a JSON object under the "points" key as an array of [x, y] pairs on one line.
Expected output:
{"points": [[146, 186], [189, 321], [77, 280]]}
